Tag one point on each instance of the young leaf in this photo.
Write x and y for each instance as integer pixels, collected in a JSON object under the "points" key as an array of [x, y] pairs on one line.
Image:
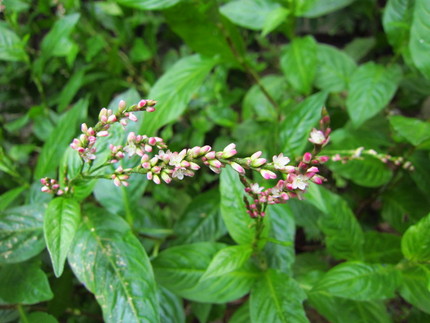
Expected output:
{"points": [[21, 233], [371, 88], [299, 63], [360, 281], [227, 260], [416, 241], [419, 43], [413, 130], [414, 288], [148, 4], [397, 21], [276, 297], [110, 261], [11, 47], [61, 221], [23, 283]]}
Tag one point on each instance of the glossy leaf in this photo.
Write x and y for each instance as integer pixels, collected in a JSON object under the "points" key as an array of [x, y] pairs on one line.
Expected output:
{"points": [[21, 233], [110, 261], [416, 241], [321, 8], [297, 125], [171, 307], [233, 210], [360, 281], [371, 88], [299, 63], [276, 297], [11, 47], [23, 283], [397, 21], [413, 130], [148, 4], [61, 221], [414, 288], [419, 43]]}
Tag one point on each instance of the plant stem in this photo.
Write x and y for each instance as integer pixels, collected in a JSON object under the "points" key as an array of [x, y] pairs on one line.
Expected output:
{"points": [[22, 314]]}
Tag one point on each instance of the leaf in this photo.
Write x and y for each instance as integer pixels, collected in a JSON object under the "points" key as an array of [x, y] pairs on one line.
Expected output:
{"points": [[227, 260], [397, 20], [58, 141], [250, 14], [174, 90], [70, 89], [371, 88], [334, 69], [11, 47], [299, 63], [382, 248], [343, 234], [241, 315], [148, 4], [360, 281], [110, 261], [21, 233], [276, 297], [8, 197], [321, 8], [416, 241], [171, 307], [60, 224], [41, 317], [414, 288], [413, 130], [274, 19], [297, 125], [233, 209], [23, 283], [419, 43]]}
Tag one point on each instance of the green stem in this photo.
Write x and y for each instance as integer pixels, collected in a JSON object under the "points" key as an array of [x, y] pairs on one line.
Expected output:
{"points": [[22, 314]]}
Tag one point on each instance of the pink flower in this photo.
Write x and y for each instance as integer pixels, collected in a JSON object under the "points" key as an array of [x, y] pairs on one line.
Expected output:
{"points": [[237, 168], [267, 174]]}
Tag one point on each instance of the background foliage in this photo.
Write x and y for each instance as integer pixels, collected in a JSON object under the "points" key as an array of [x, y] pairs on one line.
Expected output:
{"points": [[251, 72]]}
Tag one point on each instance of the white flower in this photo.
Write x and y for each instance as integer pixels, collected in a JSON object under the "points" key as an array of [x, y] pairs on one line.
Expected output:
{"points": [[256, 189], [176, 158], [280, 161], [179, 173], [317, 137], [300, 182]]}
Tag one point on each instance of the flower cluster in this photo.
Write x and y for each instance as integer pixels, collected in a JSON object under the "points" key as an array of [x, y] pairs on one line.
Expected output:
{"points": [[50, 185]]}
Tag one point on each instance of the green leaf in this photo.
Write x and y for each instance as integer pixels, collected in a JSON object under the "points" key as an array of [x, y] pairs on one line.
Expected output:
{"points": [[343, 234], [360, 281], [241, 315], [23, 283], [60, 224], [298, 124], [381, 248], [414, 288], [371, 88], [413, 130], [110, 261], [174, 90], [419, 43], [274, 19], [11, 47], [321, 8], [250, 14], [148, 4], [233, 209], [8, 197], [171, 307], [41, 317], [59, 140], [334, 69], [299, 63], [227, 260], [416, 241], [70, 89], [397, 21], [21, 233], [276, 297]]}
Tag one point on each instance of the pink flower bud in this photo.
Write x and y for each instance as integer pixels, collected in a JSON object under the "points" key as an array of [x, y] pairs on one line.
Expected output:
{"points": [[156, 179], [229, 151], [112, 119], [121, 105], [141, 103], [149, 176], [84, 128], [256, 155], [307, 157], [194, 166], [152, 141], [150, 109], [45, 189], [132, 117], [210, 155], [102, 134], [237, 168], [205, 149], [313, 169], [267, 174], [215, 163], [258, 162], [166, 178], [131, 137]]}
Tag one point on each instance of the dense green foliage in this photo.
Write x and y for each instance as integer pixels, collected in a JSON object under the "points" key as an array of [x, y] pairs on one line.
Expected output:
{"points": [[253, 72]]}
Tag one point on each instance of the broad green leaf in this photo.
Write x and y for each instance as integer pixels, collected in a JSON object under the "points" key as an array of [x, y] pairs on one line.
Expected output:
{"points": [[41, 317], [360, 47], [11, 47], [413, 130], [59, 140], [276, 297], [274, 19], [416, 241], [148, 4], [233, 209], [299, 63], [419, 43], [421, 176], [241, 315], [21, 233], [201, 311], [371, 88], [295, 129], [227, 260], [321, 8], [110, 261], [8, 197], [414, 288], [60, 224], [334, 69], [340, 310], [397, 21], [360, 281], [343, 234], [23, 283], [171, 307], [381, 248], [250, 14], [306, 216], [174, 90], [366, 171]]}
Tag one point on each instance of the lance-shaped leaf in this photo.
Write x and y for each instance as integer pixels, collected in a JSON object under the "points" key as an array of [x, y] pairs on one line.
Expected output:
{"points": [[276, 297], [171, 307], [21, 233], [419, 43], [11, 47], [61, 221], [111, 262], [397, 21], [416, 241], [321, 8], [360, 281]]}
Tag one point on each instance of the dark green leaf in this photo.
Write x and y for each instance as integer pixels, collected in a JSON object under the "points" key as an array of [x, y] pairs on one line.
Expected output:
{"points": [[414, 288], [8, 197], [41, 317], [148, 4], [381, 248], [241, 315], [111, 262], [11, 47], [171, 307], [413, 130], [419, 43], [397, 21], [70, 89], [321, 8], [61, 221], [416, 241]]}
